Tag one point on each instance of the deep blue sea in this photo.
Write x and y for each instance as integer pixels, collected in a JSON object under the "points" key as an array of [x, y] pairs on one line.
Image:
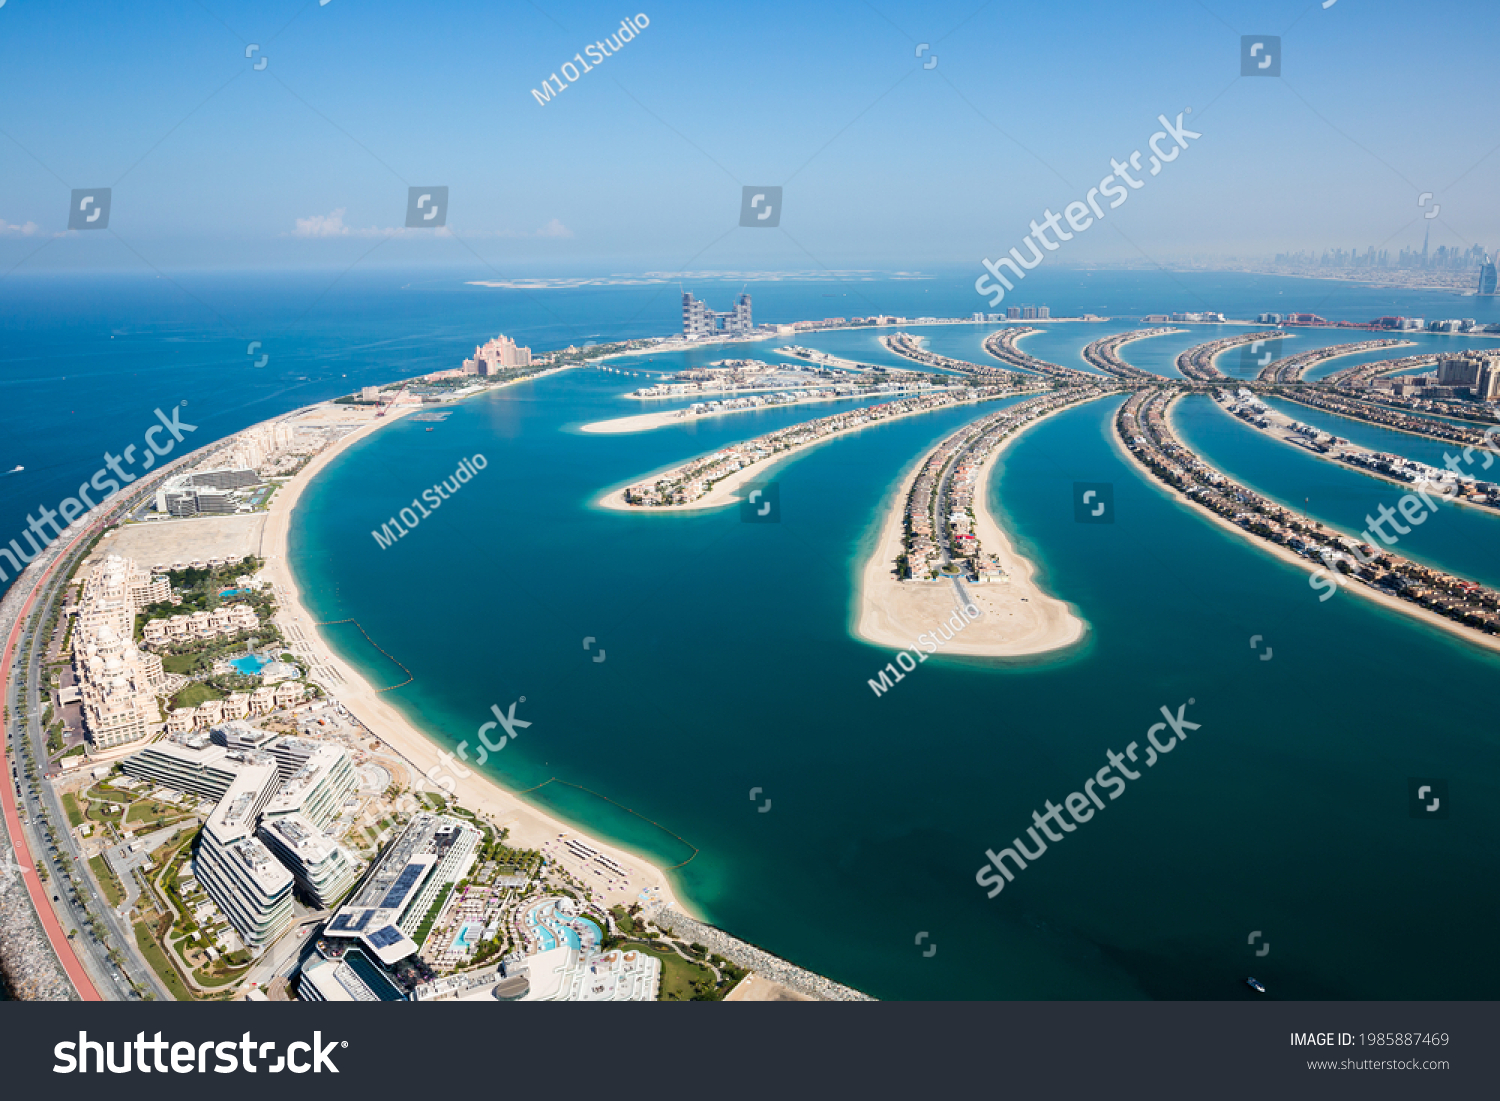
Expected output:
{"points": [[732, 665]]}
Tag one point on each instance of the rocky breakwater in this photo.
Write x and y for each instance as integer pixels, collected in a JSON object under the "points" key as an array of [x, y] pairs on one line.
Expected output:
{"points": [[29, 969], [747, 955]]}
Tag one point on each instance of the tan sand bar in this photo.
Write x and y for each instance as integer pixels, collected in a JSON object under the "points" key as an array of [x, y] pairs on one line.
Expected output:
{"points": [[1017, 616]]}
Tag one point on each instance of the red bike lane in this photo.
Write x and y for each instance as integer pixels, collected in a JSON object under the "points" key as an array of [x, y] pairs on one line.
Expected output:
{"points": [[53, 928]]}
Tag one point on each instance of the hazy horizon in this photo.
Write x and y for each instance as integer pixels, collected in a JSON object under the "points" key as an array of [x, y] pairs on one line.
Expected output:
{"points": [[884, 162]]}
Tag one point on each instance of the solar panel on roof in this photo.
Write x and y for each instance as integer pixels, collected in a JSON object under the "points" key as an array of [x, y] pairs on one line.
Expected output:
{"points": [[403, 885], [341, 923], [385, 936]]}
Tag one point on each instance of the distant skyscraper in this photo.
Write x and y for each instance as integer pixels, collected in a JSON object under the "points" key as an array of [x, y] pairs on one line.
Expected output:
{"points": [[700, 321], [1487, 277]]}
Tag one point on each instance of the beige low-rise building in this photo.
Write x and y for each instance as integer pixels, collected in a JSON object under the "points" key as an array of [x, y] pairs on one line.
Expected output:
{"points": [[236, 706], [227, 619]]}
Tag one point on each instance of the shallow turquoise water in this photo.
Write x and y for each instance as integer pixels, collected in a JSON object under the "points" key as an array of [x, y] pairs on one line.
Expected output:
{"points": [[731, 666]]}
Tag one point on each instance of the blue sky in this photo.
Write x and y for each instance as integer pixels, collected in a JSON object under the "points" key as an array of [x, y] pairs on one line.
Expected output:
{"points": [[639, 165]]}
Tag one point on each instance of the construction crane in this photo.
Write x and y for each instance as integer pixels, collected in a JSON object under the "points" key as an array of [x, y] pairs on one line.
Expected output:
{"points": [[381, 410]]}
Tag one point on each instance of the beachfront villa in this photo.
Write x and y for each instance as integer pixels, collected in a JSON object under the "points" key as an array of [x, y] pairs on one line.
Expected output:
{"points": [[227, 619], [236, 705]]}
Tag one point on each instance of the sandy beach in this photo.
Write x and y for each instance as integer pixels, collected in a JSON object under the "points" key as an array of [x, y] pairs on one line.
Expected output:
{"points": [[1017, 616], [724, 492], [529, 827], [645, 422], [1291, 557]]}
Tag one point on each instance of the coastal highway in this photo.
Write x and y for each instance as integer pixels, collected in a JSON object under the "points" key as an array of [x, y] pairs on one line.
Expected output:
{"points": [[56, 936], [83, 897], [57, 562]]}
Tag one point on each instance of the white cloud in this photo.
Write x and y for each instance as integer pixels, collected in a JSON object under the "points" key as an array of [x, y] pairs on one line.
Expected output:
{"points": [[332, 225], [10, 229], [554, 228]]}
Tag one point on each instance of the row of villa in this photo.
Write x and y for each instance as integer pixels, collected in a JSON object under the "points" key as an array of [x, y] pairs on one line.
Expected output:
{"points": [[237, 705], [1003, 346], [910, 347], [1105, 354], [931, 516], [1387, 418], [226, 619], [1142, 427], [693, 481]]}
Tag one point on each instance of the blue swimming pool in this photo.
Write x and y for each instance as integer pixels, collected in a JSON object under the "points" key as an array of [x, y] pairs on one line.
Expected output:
{"points": [[250, 664], [379, 985], [552, 928]]}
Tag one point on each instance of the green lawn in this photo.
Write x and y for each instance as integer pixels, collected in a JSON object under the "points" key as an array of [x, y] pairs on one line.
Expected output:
{"points": [[179, 663], [677, 974], [147, 812], [159, 963], [196, 693], [75, 812], [114, 893]]}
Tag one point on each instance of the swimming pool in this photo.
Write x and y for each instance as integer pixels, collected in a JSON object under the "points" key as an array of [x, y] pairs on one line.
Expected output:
{"points": [[466, 935], [373, 977], [553, 928], [249, 664]]}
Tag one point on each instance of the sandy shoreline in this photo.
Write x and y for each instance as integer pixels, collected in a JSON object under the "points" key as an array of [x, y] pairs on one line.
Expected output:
{"points": [[529, 827], [723, 492], [1018, 618], [1395, 604], [645, 422]]}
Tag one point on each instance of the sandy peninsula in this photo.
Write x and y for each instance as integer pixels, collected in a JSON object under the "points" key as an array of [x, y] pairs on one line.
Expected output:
{"points": [[1017, 617], [645, 422], [725, 492], [529, 827]]}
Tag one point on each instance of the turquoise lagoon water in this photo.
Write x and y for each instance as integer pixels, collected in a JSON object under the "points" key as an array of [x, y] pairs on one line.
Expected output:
{"points": [[1460, 539], [250, 664], [731, 665]]}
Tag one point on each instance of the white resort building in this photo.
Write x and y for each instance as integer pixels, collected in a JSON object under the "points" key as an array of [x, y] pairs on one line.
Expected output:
{"points": [[267, 832]]}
